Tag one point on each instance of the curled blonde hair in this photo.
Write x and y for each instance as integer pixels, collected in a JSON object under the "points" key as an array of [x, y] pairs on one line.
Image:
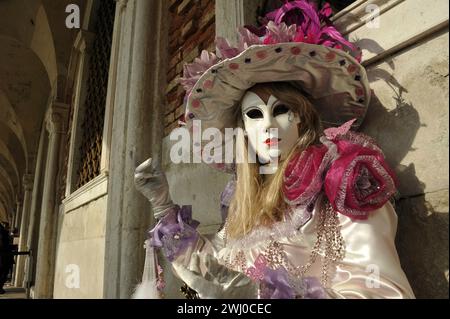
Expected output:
{"points": [[259, 201]]}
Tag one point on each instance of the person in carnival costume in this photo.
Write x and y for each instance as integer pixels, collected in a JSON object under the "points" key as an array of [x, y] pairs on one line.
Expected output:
{"points": [[320, 223]]}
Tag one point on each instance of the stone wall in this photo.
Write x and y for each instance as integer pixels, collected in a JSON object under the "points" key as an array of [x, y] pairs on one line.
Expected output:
{"points": [[81, 246], [407, 64], [410, 121]]}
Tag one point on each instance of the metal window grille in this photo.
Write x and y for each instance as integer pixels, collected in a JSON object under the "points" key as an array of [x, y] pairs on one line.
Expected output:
{"points": [[269, 5], [97, 83]]}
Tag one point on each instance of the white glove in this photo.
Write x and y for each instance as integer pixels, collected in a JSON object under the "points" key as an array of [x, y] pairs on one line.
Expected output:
{"points": [[151, 181], [215, 281]]}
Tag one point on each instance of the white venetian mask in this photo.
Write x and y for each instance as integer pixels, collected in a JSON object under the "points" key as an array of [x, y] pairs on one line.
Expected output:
{"points": [[260, 120]]}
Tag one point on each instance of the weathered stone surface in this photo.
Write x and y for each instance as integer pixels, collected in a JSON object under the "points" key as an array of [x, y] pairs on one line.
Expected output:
{"points": [[422, 243], [81, 246], [233, 14], [55, 122], [136, 135], [198, 185], [409, 114], [409, 119]]}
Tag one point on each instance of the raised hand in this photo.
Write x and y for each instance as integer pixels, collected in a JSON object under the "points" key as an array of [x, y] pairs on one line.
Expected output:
{"points": [[151, 181]]}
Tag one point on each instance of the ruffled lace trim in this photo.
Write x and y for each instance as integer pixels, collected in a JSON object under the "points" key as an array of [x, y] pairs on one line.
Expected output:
{"points": [[289, 227]]}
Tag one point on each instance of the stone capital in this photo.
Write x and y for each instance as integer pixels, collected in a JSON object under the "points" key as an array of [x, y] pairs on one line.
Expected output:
{"points": [[83, 41], [121, 3], [27, 181], [56, 118]]}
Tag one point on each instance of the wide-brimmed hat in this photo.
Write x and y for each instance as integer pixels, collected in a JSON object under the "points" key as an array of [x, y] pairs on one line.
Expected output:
{"points": [[309, 54]]}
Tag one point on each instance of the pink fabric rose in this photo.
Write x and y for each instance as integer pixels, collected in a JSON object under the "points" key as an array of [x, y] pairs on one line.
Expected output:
{"points": [[359, 180], [303, 177]]}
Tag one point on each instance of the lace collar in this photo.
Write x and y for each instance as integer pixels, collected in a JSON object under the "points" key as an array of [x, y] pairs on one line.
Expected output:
{"points": [[288, 227]]}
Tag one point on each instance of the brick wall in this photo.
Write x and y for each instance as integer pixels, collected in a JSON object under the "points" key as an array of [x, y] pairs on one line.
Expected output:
{"points": [[192, 29]]}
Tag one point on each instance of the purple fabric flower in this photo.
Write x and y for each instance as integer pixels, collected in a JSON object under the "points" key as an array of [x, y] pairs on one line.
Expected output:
{"points": [[279, 284], [247, 38], [193, 71], [276, 285], [314, 289], [225, 49], [175, 232], [279, 33]]}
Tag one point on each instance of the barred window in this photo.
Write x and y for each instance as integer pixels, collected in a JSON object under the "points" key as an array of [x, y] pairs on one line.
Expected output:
{"points": [[97, 84], [336, 5]]}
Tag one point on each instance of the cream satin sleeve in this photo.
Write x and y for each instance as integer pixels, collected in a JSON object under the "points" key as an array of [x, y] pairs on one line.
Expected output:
{"points": [[199, 269], [371, 267]]}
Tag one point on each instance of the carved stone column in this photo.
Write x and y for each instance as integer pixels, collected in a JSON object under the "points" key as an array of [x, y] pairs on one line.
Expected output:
{"points": [[231, 14], [17, 215], [137, 129], [15, 226], [35, 209], [56, 126], [27, 187]]}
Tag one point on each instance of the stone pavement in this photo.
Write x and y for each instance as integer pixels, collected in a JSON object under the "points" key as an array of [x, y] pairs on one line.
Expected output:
{"points": [[13, 293]]}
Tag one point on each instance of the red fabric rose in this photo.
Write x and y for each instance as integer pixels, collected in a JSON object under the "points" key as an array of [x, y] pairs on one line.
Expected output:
{"points": [[359, 180], [303, 177]]}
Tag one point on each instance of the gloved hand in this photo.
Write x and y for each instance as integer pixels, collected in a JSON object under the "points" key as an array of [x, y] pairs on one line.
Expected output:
{"points": [[151, 181], [215, 281]]}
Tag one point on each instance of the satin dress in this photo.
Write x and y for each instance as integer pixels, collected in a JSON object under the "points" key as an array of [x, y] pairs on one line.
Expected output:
{"points": [[370, 268]]}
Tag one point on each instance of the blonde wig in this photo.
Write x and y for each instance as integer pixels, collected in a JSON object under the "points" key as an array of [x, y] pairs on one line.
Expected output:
{"points": [[258, 199]]}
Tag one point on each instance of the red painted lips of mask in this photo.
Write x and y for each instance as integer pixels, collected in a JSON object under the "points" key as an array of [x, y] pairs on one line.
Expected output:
{"points": [[272, 141]]}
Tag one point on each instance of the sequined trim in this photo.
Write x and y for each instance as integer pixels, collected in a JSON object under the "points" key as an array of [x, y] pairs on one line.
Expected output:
{"points": [[329, 244]]}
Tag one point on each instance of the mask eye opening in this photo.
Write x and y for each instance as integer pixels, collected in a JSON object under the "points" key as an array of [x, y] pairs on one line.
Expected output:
{"points": [[254, 114], [280, 109]]}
